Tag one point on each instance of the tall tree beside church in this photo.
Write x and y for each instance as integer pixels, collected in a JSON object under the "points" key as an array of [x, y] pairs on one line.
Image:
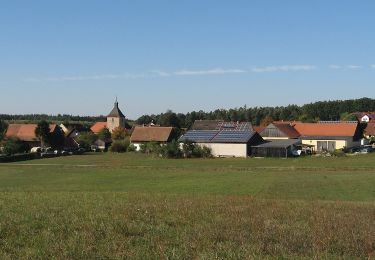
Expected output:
{"points": [[43, 132], [3, 128]]}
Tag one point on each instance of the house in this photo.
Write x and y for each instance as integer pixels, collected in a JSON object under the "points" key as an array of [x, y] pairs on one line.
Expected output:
{"points": [[277, 148], [225, 139], [369, 131], [26, 133], [329, 136], [146, 134], [366, 117], [279, 132]]}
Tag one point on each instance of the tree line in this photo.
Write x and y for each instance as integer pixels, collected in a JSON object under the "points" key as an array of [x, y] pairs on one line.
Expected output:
{"points": [[313, 112]]}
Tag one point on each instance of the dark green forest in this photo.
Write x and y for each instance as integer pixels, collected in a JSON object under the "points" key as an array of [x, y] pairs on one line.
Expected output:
{"points": [[312, 112]]}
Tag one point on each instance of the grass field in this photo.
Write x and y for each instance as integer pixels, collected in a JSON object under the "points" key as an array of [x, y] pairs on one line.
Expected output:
{"points": [[133, 206]]}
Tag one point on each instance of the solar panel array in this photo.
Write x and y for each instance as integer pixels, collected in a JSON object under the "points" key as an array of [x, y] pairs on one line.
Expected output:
{"points": [[233, 136], [199, 135], [212, 136]]}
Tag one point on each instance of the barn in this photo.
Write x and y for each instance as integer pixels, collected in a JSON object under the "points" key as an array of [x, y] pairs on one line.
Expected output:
{"points": [[225, 139], [146, 134]]}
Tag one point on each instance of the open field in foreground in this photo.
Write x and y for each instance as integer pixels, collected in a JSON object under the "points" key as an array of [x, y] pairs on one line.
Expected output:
{"points": [[118, 206]]}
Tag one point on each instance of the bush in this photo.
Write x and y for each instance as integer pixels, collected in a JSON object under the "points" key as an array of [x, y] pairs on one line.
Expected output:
{"points": [[338, 153], [151, 148], [14, 146], [132, 148], [119, 146], [192, 150], [171, 150]]}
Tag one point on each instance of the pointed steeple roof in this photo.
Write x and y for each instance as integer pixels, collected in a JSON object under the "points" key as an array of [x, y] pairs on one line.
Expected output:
{"points": [[116, 112]]}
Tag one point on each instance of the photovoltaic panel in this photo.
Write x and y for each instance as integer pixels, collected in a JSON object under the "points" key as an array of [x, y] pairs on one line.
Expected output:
{"points": [[199, 135], [233, 136]]}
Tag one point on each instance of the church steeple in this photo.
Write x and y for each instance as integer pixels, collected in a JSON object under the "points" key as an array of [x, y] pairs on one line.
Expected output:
{"points": [[116, 112], [115, 118]]}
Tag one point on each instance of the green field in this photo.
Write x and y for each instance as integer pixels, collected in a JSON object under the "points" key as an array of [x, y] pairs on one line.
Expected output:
{"points": [[134, 206]]}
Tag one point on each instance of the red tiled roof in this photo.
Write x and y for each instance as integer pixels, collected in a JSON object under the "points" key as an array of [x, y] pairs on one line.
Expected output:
{"points": [[25, 132], [341, 129], [288, 130], [98, 126], [370, 129], [258, 128], [149, 134]]}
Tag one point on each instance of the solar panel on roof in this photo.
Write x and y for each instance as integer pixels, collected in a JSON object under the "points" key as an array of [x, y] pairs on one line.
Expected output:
{"points": [[233, 136], [199, 135]]}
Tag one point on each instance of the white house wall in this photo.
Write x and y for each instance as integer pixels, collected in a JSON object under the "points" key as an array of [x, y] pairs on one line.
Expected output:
{"points": [[227, 150]]}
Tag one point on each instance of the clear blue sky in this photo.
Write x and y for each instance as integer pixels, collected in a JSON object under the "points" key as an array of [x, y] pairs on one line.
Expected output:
{"points": [[76, 56]]}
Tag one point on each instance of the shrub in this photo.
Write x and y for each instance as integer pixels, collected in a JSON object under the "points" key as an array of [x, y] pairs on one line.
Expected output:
{"points": [[171, 150], [14, 146], [338, 153], [192, 150], [119, 147], [132, 148], [151, 148]]}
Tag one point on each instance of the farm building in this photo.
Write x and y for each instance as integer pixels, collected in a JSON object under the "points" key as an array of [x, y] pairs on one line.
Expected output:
{"points": [[26, 133], [279, 132], [277, 148], [146, 134], [329, 136], [226, 139]]}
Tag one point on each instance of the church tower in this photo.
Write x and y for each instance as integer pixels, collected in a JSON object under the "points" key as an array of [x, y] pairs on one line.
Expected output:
{"points": [[115, 118]]}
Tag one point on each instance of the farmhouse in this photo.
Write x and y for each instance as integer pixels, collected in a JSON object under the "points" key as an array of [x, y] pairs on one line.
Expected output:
{"points": [[225, 139], [329, 136], [26, 133], [146, 134]]}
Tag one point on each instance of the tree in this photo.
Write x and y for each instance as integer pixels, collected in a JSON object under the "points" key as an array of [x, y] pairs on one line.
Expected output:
{"points": [[57, 138], [169, 119], [266, 121], [85, 140], [43, 132], [104, 134], [119, 133], [3, 128], [14, 145]]}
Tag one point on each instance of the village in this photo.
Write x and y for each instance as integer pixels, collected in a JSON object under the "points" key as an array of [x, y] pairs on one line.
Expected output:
{"points": [[205, 138]]}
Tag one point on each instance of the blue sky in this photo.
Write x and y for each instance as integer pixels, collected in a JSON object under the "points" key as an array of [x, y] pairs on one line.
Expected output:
{"points": [[76, 56]]}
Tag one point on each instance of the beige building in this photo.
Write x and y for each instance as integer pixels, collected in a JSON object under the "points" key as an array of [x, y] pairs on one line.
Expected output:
{"points": [[329, 136]]}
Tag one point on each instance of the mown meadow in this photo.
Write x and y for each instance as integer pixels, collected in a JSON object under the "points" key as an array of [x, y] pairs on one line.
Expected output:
{"points": [[134, 206]]}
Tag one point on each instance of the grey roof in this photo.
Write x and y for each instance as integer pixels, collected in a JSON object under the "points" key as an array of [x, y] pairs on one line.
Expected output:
{"points": [[279, 143], [116, 112]]}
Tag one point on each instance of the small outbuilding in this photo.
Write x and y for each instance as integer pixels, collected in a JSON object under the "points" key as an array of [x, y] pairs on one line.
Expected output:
{"points": [[277, 148]]}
